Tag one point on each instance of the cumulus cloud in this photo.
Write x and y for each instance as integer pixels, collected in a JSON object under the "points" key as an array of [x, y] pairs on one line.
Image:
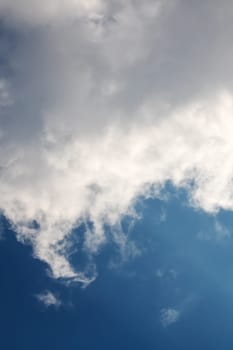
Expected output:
{"points": [[48, 299], [34, 13], [105, 102], [169, 316]]}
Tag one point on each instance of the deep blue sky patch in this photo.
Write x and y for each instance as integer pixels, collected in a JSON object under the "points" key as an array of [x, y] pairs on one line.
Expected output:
{"points": [[122, 309]]}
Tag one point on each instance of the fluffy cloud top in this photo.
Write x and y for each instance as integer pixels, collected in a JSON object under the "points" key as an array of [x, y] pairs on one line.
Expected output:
{"points": [[103, 102]]}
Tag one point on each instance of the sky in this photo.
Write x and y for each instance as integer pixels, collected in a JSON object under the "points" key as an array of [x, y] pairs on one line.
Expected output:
{"points": [[116, 173]]}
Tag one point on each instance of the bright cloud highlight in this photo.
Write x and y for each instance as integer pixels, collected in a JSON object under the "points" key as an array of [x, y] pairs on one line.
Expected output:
{"points": [[99, 106]]}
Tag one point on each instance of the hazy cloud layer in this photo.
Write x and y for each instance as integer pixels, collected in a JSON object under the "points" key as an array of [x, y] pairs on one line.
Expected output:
{"points": [[102, 102]]}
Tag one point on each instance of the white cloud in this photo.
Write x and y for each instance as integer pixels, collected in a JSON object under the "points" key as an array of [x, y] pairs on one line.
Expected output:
{"points": [[108, 107], [2, 230], [48, 299], [33, 12], [169, 316]]}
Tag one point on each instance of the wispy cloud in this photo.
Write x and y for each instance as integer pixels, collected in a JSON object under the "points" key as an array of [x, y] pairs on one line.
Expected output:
{"points": [[169, 316], [218, 232], [171, 273], [222, 231], [48, 299]]}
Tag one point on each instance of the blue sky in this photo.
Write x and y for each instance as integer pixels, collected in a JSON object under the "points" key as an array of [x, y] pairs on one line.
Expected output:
{"points": [[116, 174], [177, 270]]}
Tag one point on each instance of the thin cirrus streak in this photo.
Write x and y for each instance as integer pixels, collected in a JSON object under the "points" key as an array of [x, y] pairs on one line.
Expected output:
{"points": [[99, 106]]}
